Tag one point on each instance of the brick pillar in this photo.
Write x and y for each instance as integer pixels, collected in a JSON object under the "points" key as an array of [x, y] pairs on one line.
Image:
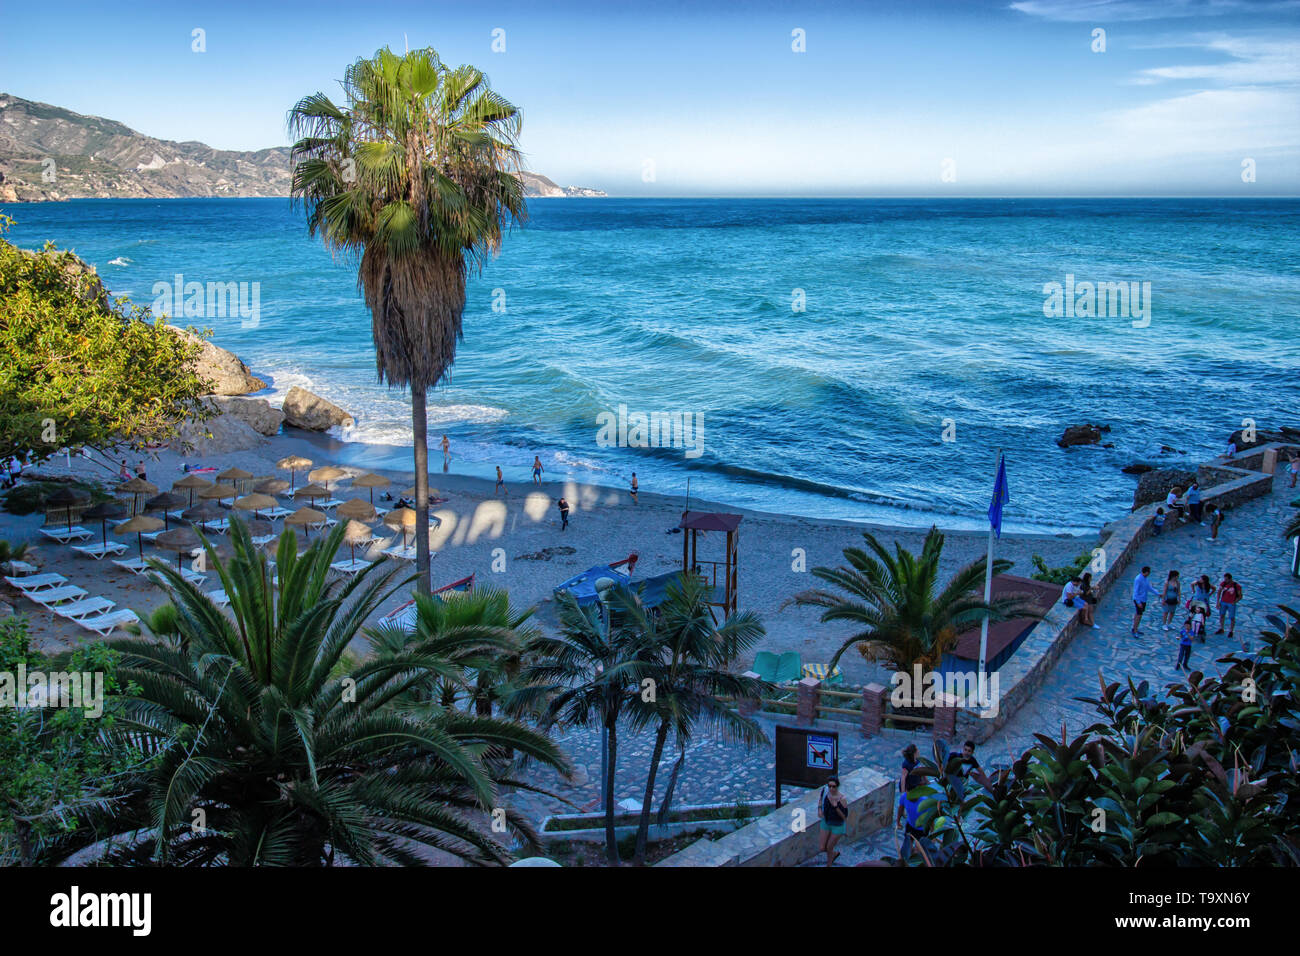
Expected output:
{"points": [[873, 709], [809, 691], [748, 706], [945, 717], [1269, 465]]}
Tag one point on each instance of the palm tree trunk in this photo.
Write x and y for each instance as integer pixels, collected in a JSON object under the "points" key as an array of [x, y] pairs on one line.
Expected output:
{"points": [[666, 805], [643, 828], [420, 429], [611, 840]]}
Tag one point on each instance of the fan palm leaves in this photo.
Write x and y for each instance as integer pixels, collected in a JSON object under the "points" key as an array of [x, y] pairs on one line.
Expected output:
{"points": [[416, 174], [684, 668], [901, 614], [266, 755], [585, 675]]}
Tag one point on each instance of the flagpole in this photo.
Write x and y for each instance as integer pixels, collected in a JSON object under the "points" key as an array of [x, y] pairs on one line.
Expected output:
{"points": [[988, 584]]}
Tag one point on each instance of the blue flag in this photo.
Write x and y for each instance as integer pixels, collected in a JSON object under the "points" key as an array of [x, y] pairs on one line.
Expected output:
{"points": [[1000, 497]]}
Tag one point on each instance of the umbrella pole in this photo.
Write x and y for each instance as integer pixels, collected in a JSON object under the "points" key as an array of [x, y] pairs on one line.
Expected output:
{"points": [[139, 543]]}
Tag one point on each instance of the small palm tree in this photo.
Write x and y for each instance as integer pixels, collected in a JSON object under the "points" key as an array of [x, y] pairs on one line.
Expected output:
{"points": [[418, 174], [263, 755], [901, 615], [685, 667], [586, 675], [478, 633]]}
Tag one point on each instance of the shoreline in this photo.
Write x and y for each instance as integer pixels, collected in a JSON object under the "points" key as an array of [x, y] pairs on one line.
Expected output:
{"points": [[515, 542]]}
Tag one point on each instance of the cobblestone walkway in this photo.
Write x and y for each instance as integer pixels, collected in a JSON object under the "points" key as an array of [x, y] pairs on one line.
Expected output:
{"points": [[1250, 546]]}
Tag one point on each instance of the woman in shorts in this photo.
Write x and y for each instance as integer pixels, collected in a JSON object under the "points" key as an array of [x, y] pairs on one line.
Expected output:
{"points": [[833, 811]]}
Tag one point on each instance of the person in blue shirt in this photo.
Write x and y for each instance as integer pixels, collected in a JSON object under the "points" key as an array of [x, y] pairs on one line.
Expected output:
{"points": [[1142, 591], [1194, 503], [1184, 646]]}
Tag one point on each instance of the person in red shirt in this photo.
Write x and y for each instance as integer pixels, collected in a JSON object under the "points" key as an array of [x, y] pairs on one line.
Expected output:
{"points": [[1229, 595]]}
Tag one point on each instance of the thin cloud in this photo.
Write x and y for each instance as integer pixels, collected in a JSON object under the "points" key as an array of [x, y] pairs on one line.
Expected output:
{"points": [[1093, 11]]}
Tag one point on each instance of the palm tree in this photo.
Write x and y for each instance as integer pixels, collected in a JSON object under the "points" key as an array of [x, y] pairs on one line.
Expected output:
{"points": [[418, 173], [263, 755], [587, 675], [894, 602], [478, 632], [687, 661]]}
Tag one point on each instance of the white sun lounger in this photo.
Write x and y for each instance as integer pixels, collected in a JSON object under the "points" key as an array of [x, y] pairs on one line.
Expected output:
{"points": [[403, 553], [219, 597], [37, 582], [69, 592], [79, 609], [65, 534], [98, 551], [329, 503], [105, 623], [22, 568], [152, 536], [261, 539], [134, 565], [277, 512], [354, 566]]}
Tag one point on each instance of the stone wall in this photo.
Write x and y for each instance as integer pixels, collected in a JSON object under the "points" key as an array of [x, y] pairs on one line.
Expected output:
{"points": [[773, 840], [1235, 480]]}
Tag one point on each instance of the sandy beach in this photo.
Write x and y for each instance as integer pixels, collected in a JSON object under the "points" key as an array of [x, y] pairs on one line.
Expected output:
{"points": [[478, 530]]}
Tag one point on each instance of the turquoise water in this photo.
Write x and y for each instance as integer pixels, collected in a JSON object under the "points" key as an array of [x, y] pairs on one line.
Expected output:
{"points": [[917, 312]]}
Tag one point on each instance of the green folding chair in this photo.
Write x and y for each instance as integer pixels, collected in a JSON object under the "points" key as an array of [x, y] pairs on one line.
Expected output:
{"points": [[765, 665], [788, 668]]}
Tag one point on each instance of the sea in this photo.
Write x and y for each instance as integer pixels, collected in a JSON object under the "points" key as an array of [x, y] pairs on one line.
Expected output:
{"points": [[849, 359]]}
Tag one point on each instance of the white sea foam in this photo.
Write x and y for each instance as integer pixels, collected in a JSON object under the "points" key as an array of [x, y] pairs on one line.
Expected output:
{"points": [[119, 261]]}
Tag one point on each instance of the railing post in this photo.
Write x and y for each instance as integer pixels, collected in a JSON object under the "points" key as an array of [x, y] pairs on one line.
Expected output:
{"points": [[1269, 465], [809, 693], [749, 706], [873, 709]]}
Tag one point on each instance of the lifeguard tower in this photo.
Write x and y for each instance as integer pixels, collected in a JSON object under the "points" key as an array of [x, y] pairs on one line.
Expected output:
{"points": [[720, 575]]}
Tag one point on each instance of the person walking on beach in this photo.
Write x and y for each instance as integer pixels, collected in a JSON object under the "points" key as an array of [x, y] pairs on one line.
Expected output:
{"points": [[1229, 595], [1194, 504], [1142, 591], [833, 811], [635, 488], [1216, 519], [501, 484], [1184, 646], [537, 469], [446, 452], [564, 514], [1173, 590]]}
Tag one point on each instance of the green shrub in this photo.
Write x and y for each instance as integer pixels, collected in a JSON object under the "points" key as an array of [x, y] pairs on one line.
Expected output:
{"points": [[1061, 575], [29, 497]]}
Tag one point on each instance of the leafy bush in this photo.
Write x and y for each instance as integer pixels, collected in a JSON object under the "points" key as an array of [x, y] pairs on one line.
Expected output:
{"points": [[1061, 575], [30, 497], [1205, 776]]}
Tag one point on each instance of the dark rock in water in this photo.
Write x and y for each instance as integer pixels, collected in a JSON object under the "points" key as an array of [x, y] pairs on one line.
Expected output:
{"points": [[1137, 468], [1264, 437], [1109, 444], [1082, 435], [1154, 485], [1167, 450]]}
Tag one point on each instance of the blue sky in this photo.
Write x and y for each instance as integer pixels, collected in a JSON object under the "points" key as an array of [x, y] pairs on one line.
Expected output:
{"points": [[716, 99]]}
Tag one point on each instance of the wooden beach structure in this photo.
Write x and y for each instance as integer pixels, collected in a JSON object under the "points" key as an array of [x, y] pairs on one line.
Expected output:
{"points": [[721, 574]]}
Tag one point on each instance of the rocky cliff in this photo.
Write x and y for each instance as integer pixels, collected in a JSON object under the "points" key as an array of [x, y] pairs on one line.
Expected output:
{"points": [[49, 153]]}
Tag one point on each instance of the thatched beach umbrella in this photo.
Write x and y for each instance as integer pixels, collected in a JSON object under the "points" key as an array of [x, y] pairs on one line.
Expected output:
{"points": [[181, 540], [67, 497], [358, 509], [166, 502], [355, 533], [135, 488], [190, 484], [138, 526], [293, 464], [202, 513], [235, 476], [271, 486], [305, 518], [411, 492], [326, 474], [258, 527], [372, 481], [401, 518], [102, 512], [218, 493], [312, 491], [255, 502]]}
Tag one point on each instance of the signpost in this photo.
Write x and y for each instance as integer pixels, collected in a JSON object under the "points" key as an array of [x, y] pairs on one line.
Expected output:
{"points": [[805, 758]]}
